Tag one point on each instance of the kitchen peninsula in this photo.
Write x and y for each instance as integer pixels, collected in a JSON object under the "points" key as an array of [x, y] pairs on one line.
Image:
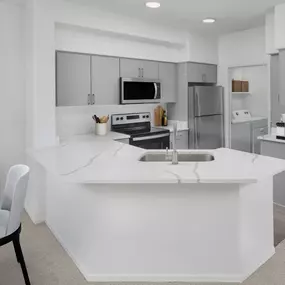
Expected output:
{"points": [[121, 219]]}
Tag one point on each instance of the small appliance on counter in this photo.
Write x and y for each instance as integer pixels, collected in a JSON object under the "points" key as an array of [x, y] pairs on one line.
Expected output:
{"points": [[160, 117], [101, 126], [280, 130], [138, 126]]}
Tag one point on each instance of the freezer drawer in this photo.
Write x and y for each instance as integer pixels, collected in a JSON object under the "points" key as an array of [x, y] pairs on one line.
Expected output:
{"points": [[209, 132]]}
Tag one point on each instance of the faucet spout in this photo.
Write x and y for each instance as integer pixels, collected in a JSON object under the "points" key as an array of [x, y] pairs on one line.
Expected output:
{"points": [[175, 153]]}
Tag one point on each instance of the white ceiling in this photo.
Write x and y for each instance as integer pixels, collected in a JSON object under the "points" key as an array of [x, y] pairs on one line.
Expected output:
{"points": [[231, 15]]}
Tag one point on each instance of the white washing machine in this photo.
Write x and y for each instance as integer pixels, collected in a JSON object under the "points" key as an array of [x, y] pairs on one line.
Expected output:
{"points": [[246, 130]]}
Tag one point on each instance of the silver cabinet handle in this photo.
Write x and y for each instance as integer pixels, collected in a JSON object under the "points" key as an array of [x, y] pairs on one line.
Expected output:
{"points": [[93, 96], [89, 100], [204, 77], [278, 98], [142, 72]]}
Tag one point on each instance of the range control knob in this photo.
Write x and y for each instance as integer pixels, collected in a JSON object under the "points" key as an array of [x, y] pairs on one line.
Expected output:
{"points": [[117, 119], [122, 118], [147, 116], [143, 117]]}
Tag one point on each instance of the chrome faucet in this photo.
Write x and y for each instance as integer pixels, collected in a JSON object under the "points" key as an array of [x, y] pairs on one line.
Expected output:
{"points": [[175, 153]]}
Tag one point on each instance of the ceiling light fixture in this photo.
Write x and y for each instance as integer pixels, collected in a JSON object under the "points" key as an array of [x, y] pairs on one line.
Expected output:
{"points": [[209, 21], [152, 4]]}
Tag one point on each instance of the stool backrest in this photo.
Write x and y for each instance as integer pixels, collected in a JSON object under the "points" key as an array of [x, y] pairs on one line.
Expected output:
{"points": [[14, 195]]}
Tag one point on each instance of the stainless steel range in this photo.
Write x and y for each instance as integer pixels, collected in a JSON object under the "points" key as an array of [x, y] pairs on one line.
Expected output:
{"points": [[138, 126]]}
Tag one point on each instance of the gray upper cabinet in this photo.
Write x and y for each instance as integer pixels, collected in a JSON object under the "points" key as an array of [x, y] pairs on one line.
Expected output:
{"points": [[150, 69], [202, 73], [73, 82], [130, 68], [168, 79], [133, 68], [105, 80]]}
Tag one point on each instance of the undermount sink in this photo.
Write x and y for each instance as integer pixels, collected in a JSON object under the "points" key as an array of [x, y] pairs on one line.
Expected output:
{"points": [[182, 157]]}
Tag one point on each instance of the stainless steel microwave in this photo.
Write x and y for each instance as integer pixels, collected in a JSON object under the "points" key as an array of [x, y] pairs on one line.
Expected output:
{"points": [[140, 91]]}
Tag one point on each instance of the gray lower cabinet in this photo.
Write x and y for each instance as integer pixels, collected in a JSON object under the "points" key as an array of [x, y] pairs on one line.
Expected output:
{"points": [[168, 79], [73, 79], [134, 68], [241, 137], [181, 140], [276, 150], [202, 73], [105, 80]]}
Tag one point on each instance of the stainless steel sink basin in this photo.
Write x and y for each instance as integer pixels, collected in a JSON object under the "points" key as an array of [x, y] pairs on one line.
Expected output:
{"points": [[182, 157]]}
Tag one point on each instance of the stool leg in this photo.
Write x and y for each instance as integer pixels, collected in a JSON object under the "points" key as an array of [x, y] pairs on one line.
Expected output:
{"points": [[20, 258]]}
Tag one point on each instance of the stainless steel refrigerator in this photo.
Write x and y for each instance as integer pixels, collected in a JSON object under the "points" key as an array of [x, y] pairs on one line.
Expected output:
{"points": [[206, 117]]}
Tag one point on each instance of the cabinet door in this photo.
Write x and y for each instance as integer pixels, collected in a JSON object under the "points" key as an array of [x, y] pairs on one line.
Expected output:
{"points": [[195, 72], [281, 76], [276, 107], [150, 69], [276, 150], [105, 80], [167, 77], [130, 68], [241, 137], [73, 82], [202, 73], [256, 143], [209, 73], [182, 140]]}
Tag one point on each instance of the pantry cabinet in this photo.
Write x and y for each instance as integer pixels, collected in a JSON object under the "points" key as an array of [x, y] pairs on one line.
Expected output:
{"points": [[168, 79], [202, 73]]}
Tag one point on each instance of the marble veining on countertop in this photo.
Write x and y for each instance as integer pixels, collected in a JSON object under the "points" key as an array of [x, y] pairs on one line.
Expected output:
{"points": [[101, 160]]}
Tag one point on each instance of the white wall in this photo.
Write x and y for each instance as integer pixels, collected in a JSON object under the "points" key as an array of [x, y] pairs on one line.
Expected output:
{"points": [[280, 26], [246, 48], [12, 89], [78, 120], [257, 101], [203, 49], [270, 33]]}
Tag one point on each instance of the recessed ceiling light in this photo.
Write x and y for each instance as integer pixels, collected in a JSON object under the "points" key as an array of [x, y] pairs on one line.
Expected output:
{"points": [[209, 21], [152, 4]]}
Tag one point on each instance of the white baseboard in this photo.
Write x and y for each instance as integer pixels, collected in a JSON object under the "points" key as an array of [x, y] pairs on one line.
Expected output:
{"points": [[166, 278], [279, 205], [78, 265]]}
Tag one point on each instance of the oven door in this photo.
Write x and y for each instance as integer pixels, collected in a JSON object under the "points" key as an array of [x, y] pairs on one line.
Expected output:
{"points": [[160, 141], [135, 91]]}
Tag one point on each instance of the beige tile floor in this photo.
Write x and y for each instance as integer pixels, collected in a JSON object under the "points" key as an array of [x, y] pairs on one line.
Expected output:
{"points": [[48, 264]]}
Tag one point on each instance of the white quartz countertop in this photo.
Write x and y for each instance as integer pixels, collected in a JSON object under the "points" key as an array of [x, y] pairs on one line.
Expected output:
{"points": [[271, 138], [181, 126], [101, 160]]}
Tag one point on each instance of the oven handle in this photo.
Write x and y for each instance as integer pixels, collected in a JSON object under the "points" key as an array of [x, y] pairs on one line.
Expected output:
{"points": [[150, 137], [156, 90]]}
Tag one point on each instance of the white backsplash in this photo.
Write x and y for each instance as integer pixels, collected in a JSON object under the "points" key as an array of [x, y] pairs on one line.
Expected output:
{"points": [[78, 120]]}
